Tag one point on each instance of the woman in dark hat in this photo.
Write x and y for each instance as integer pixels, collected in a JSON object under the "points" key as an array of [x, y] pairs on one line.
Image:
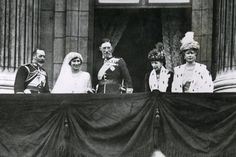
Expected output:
{"points": [[159, 78], [191, 77]]}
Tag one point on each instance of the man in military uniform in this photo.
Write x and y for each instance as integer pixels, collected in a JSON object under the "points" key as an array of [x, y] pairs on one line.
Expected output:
{"points": [[32, 78], [113, 76]]}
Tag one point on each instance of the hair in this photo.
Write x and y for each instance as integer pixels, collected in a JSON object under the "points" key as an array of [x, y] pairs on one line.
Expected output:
{"points": [[183, 52], [34, 52], [104, 40], [75, 58]]}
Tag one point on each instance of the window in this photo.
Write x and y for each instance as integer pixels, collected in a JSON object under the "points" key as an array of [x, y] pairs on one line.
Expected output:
{"points": [[169, 1], [143, 3], [118, 1]]}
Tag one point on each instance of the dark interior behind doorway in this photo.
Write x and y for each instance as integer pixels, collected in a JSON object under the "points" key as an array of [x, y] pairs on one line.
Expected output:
{"points": [[134, 33]]}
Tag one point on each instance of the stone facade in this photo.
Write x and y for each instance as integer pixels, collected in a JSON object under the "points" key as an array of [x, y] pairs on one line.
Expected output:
{"points": [[19, 36], [65, 29], [68, 25], [202, 22]]}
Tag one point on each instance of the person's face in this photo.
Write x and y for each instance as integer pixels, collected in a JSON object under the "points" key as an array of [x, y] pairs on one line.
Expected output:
{"points": [[190, 55], [75, 64], [106, 50], [39, 57], [156, 65]]}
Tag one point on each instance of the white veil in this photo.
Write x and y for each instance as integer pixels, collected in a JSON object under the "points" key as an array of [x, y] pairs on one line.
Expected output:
{"points": [[63, 81]]}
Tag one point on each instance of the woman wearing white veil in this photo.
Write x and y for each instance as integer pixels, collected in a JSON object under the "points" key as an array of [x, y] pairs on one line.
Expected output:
{"points": [[71, 79]]}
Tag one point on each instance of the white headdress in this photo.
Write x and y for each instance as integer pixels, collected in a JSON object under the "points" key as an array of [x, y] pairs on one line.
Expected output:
{"points": [[65, 72], [188, 42]]}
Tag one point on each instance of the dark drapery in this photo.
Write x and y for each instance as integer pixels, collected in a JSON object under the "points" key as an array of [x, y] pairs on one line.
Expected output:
{"points": [[75, 126], [175, 23], [198, 125], [110, 25], [190, 125], [133, 33]]}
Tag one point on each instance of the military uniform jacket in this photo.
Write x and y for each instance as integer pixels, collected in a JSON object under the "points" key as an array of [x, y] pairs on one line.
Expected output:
{"points": [[32, 77], [112, 74]]}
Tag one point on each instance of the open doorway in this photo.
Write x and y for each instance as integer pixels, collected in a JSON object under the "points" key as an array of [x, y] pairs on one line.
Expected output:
{"points": [[139, 32], [134, 32]]}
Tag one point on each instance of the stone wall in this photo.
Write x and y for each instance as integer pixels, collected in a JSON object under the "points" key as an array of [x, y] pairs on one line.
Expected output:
{"points": [[65, 29], [61, 26], [202, 22]]}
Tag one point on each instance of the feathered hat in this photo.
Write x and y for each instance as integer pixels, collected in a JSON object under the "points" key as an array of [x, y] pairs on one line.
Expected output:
{"points": [[188, 42], [157, 54]]}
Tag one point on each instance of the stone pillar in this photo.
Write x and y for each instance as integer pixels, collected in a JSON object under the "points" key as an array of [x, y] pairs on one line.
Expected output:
{"points": [[59, 36], [71, 32], [19, 37], [202, 20], [224, 46], [46, 34]]}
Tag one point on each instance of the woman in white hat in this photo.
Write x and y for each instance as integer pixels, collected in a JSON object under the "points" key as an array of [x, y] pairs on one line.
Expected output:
{"points": [[71, 78], [191, 77]]}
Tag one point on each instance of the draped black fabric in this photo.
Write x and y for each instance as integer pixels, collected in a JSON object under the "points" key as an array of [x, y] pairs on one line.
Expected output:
{"points": [[80, 125], [75, 125], [198, 125]]}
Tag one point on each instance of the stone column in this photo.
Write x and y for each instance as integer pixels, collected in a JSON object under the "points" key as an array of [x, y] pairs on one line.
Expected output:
{"points": [[59, 36], [19, 36], [46, 34], [71, 32], [202, 15], [224, 46]]}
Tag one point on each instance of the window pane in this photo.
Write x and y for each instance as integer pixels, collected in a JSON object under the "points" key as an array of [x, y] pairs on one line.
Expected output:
{"points": [[169, 1], [118, 1]]}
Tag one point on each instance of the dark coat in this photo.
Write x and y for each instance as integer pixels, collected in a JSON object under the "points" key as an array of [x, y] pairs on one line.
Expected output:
{"points": [[115, 78]]}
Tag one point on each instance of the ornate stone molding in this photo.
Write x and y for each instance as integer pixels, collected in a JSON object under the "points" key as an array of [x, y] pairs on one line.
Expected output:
{"points": [[7, 79], [225, 82]]}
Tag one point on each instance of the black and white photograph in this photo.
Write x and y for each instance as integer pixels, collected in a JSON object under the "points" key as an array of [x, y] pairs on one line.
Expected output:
{"points": [[117, 78]]}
